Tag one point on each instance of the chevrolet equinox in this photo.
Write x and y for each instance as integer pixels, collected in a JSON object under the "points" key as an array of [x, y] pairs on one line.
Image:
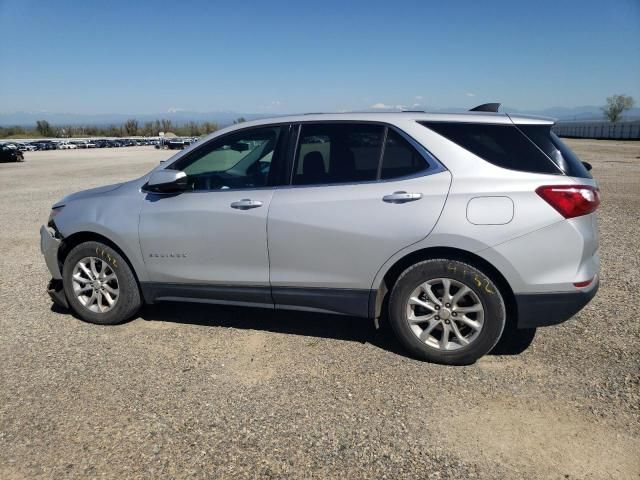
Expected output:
{"points": [[456, 226]]}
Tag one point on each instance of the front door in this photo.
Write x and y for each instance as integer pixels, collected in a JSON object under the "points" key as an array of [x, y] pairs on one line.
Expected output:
{"points": [[211, 239]]}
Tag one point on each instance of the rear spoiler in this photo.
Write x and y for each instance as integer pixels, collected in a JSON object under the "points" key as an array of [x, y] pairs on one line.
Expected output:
{"points": [[486, 107]]}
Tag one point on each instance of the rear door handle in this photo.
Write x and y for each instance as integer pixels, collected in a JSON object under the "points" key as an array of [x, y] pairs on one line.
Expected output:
{"points": [[246, 204], [401, 197]]}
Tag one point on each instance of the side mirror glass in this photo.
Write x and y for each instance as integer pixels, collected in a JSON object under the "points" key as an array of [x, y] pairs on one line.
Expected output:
{"points": [[167, 181]]}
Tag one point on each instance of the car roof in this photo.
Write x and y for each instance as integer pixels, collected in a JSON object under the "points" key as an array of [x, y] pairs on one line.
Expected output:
{"points": [[392, 117]]}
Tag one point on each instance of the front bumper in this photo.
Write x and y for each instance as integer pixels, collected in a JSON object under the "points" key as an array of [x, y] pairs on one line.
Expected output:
{"points": [[542, 309], [49, 246]]}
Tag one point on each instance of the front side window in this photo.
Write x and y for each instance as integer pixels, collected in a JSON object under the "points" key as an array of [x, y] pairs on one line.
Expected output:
{"points": [[337, 153], [240, 160]]}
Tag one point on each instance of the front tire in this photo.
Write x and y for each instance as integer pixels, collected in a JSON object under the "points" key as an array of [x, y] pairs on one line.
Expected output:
{"points": [[446, 311], [99, 284]]}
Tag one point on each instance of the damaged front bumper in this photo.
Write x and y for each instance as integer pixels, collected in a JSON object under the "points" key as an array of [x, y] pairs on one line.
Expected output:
{"points": [[49, 246]]}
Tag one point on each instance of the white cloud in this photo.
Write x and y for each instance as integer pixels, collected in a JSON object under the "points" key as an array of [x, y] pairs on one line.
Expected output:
{"points": [[175, 110], [384, 106], [274, 104], [418, 97], [469, 94]]}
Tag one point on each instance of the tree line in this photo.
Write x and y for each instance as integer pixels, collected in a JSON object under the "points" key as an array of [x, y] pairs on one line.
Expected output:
{"points": [[130, 128], [613, 111]]}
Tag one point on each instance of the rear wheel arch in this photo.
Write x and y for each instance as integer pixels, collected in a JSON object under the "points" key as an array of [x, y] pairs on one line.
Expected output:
{"points": [[381, 295]]}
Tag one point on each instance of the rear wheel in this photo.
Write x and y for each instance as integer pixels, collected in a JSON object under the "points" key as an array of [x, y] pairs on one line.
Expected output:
{"points": [[99, 284], [446, 311]]}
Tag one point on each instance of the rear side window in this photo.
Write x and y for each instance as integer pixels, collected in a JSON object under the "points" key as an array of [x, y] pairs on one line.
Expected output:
{"points": [[338, 153], [349, 152], [556, 150], [501, 145], [400, 158]]}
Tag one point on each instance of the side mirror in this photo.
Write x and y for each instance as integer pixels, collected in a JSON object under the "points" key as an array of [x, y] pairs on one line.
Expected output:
{"points": [[587, 165], [166, 181]]}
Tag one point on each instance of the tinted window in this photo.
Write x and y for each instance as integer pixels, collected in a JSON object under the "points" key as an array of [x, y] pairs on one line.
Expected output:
{"points": [[555, 148], [502, 145], [241, 160], [337, 153], [400, 158]]}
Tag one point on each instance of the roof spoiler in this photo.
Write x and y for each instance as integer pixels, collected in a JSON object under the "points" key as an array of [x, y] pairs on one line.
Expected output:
{"points": [[486, 107]]}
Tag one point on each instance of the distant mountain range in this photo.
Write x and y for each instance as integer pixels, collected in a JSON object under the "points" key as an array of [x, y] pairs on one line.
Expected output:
{"points": [[584, 113], [223, 118], [179, 117]]}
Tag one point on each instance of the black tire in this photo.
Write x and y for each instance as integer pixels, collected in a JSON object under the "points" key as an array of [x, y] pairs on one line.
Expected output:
{"points": [[484, 288], [128, 301]]}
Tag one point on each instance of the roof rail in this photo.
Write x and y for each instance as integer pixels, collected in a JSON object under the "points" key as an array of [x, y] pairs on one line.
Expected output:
{"points": [[486, 107], [414, 111]]}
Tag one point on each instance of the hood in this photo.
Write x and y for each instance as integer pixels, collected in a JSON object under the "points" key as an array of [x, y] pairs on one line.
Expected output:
{"points": [[92, 192]]}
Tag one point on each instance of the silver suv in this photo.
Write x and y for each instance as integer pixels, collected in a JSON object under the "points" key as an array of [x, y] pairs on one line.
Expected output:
{"points": [[459, 227]]}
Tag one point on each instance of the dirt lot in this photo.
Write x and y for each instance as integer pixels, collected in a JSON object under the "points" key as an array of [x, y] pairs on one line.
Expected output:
{"points": [[212, 392]]}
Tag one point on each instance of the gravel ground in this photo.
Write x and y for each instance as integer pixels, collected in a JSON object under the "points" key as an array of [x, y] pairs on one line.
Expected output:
{"points": [[212, 392]]}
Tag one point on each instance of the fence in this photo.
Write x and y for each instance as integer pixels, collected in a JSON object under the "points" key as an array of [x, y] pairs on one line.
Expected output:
{"points": [[628, 130]]}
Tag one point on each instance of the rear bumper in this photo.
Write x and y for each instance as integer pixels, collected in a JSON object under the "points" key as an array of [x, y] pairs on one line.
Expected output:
{"points": [[542, 309]]}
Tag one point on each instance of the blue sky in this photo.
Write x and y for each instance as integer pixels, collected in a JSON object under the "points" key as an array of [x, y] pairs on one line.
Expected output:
{"points": [[284, 57]]}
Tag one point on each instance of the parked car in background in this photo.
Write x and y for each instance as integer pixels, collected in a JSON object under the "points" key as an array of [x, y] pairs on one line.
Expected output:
{"points": [[67, 146], [178, 143], [26, 147], [9, 154], [45, 144]]}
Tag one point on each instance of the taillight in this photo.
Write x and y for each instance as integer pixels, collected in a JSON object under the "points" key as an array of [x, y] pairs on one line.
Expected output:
{"points": [[571, 200]]}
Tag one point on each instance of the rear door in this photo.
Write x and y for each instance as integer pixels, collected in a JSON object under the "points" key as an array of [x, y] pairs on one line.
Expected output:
{"points": [[359, 193]]}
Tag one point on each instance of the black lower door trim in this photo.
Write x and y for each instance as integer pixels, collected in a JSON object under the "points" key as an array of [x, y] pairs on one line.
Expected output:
{"points": [[343, 301], [257, 296]]}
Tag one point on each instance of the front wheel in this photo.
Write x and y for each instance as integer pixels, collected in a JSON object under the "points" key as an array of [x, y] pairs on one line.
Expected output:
{"points": [[446, 311], [99, 284]]}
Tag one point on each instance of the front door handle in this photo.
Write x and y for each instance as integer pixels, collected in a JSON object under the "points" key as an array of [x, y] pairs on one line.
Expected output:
{"points": [[401, 197], [246, 204]]}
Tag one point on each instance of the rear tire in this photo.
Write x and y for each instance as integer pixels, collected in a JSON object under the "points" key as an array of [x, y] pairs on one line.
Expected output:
{"points": [[99, 284], [446, 311]]}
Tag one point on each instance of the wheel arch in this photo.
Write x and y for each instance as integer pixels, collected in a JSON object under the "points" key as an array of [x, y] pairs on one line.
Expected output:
{"points": [[77, 238], [380, 295]]}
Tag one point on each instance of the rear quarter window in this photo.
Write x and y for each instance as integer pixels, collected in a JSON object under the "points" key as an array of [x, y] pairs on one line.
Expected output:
{"points": [[556, 150], [502, 145]]}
